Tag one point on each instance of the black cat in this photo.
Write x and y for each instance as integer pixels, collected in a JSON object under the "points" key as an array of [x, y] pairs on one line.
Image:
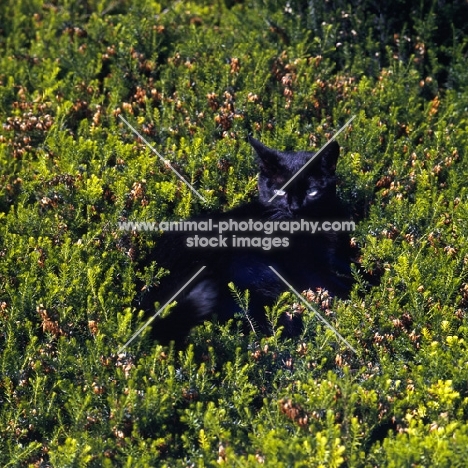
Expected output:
{"points": [[304, 259]]}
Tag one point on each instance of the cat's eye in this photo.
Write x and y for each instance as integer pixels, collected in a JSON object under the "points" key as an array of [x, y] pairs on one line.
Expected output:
{"points": [[280, 193], [313, 193]]}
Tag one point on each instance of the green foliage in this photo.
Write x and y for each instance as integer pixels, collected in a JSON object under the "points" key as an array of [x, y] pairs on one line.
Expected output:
{"points": [[243, 300], [195, 78]]}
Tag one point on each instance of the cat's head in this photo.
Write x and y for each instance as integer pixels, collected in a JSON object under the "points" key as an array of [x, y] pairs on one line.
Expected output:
{"points": [[313, 189]]}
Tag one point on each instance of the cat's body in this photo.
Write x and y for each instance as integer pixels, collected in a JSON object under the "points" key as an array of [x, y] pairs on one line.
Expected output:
{"points": [[305, 260]]}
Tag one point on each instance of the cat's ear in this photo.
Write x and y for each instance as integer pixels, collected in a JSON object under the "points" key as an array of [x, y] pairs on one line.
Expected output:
{"points": [[329, 157], [268, 158]]}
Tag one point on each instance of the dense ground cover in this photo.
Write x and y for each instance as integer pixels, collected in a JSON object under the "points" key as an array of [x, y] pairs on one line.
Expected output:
{"points": [[196, 78]]}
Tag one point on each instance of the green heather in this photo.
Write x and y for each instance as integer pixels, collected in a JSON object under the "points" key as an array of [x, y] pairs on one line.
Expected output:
{"points": [[195, 78]]}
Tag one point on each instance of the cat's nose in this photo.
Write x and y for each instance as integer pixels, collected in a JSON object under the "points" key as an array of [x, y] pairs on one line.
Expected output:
{"points": [[294, 207]]}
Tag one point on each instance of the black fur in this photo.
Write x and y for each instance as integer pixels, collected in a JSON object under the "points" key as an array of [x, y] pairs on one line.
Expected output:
{"points": [[310, 260]]}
